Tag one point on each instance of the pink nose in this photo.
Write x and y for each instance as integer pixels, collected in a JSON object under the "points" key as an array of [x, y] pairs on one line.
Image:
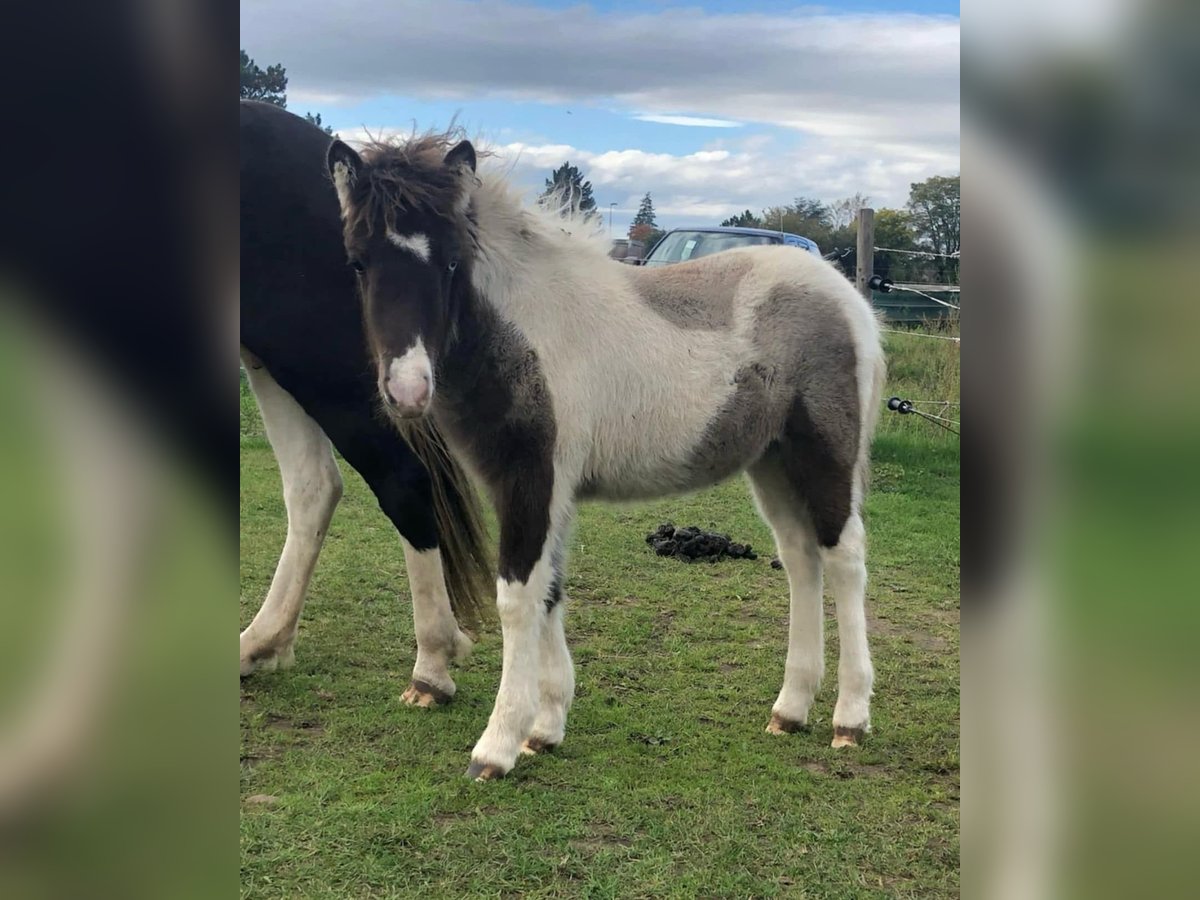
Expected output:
{"points": [[409, 394]]}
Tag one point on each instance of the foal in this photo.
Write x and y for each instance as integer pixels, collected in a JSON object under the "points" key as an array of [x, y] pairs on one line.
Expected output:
{"points": [[555, 373]]}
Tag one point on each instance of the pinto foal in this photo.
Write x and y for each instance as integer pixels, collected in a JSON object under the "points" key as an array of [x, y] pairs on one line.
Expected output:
{"points": [[554, 374]]}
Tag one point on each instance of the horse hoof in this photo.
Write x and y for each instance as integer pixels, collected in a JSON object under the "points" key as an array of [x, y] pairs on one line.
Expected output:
{"points": [[780, 725], [424, 695], [267, 660], [847, 737], [481, 771], [533, 746]]}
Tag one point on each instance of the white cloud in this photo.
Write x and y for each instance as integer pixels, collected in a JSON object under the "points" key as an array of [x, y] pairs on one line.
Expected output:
{"points": [[692, 121], [864, 102], [713, 184]]}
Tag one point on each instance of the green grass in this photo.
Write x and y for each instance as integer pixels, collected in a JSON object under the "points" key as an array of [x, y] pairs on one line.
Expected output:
{"points": [[666, 784]]}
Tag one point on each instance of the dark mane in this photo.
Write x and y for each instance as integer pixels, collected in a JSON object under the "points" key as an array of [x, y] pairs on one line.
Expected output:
{"points": [[405, 174]]}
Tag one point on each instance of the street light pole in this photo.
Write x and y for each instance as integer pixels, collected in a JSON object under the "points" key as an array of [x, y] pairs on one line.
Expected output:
{"points": [[610, 209]]}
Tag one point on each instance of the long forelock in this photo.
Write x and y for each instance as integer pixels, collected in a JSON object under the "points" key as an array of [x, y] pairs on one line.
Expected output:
{"points": [[404, 175]]}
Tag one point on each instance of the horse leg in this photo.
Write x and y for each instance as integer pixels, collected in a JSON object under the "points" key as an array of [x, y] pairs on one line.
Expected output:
{"points": [[530, 533], [556, 683], [439, 639], [401, 486], [312, 487], [802, 473], [796, 541], [845, 565]]}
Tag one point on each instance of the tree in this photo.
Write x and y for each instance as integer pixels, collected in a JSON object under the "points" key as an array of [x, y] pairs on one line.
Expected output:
{"points": [[935, 207], [269, 86], [644, 228], [894, 230], [843, 213], [646, 233], [566, 186], [316, 120], [645, 213], [745, 219], [804, 216]]}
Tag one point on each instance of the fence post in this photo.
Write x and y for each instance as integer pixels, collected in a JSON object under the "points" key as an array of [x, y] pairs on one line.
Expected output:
{"points": [[866, 251]]}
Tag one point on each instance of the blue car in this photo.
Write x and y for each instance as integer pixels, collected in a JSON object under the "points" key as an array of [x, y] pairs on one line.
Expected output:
{"points": [[681, 244]]}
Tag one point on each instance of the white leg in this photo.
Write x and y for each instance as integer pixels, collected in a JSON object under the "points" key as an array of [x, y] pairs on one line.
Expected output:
{"points": [[312, 486], [556, 686], [796, 542], [522, 618], [846, 568], [439, 640]]}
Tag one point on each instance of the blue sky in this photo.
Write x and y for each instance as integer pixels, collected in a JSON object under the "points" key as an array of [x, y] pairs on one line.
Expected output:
{"points": [[712, 107]]}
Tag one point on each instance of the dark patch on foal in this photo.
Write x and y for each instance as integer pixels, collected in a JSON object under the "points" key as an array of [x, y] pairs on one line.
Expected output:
{"points": [[672, 292], [493, 402], [817, 446], [742, 428], [557, 561]]}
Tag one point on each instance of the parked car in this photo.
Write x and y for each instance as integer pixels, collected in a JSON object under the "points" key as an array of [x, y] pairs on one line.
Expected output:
{"points": [[681, 244]]}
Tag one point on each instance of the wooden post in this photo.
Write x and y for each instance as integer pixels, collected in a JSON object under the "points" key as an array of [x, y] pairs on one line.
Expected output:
{"points": [[866, 251]]}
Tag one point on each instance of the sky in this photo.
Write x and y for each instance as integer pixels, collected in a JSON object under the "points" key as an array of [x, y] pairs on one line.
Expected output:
{"points": [[712, 106]]}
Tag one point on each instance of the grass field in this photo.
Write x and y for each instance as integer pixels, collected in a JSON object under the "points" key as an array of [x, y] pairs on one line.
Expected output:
{"points": [[667, 784]]}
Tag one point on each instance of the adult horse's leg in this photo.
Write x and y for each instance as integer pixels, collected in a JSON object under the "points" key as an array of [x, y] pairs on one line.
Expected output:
{"points": [[846, 570], [439, 639], [401, 485], [532, 528], [312, 486], [796, 541]]}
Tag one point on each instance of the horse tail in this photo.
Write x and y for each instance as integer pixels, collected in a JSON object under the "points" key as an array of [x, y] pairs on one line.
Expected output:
{"points": [[462, 533]]}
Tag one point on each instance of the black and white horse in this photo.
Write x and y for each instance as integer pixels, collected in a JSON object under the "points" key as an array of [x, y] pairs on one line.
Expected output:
{"points": [[555, 373], [304, 350]]}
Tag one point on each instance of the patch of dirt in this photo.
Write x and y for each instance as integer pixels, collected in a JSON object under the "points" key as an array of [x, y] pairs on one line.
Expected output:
{"points": [[447, 819], [662, 623], [253, 760], [305, 726], [261, 800], [600, 836], [915, 636], [845, 770], [691, 544]]}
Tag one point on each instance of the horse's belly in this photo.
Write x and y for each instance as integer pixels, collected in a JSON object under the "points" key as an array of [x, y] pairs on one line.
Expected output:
{"points": [[644, 463]]}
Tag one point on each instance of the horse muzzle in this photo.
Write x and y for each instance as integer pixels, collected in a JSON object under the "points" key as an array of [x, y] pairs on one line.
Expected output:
{"points": [[406, 383]]}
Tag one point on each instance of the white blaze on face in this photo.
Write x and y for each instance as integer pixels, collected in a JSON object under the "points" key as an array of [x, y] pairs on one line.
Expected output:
{"points": [[417, 244], [408, 381]]}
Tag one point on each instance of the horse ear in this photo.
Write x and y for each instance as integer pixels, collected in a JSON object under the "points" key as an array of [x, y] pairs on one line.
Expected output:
{"points": [[344, 165], [462, 154]]}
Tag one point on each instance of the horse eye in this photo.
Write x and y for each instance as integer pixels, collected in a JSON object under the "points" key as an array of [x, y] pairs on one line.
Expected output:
{"points": [[452, 266], [357, 266]]}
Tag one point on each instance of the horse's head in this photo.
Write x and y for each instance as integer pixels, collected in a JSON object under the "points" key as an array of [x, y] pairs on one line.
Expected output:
{"points": [[404, 214]]}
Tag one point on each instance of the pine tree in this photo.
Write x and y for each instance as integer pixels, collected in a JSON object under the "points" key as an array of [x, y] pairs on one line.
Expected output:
{"points": [[645, 213], [269, 85], [566, 185]]}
